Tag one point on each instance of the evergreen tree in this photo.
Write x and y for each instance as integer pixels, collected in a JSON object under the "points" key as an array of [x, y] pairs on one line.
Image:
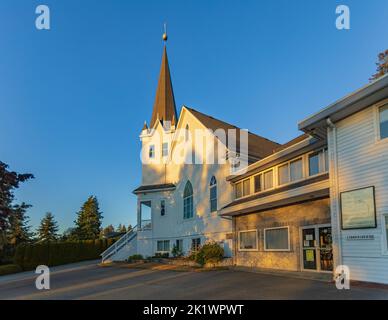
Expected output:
{"points": [[9, 181], [89, 218], [107, 230], [382, 65], [121, 228], [19, 230], [48, 229]]}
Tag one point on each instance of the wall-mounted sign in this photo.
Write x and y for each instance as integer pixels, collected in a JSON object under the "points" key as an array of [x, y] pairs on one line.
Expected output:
{"points": [[358, 209], [360, 237]]}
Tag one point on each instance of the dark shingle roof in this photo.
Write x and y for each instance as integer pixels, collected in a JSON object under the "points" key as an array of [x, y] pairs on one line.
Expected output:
{"points": [[258, 147]]}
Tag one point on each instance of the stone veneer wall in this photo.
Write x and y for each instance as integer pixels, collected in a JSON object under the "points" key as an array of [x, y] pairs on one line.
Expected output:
{"points": [[294, 216]]}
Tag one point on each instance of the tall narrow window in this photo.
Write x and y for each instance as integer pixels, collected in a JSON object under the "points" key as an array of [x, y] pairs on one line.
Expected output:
{"points": [[187, 133], [188, 211], [383, 114], [162, 207], [213, 194], [284, 176], [151, 151], [195, 244], [318, 162], [257, 183], [296, 170], [165, 149], [268, 180], [238, 190]]}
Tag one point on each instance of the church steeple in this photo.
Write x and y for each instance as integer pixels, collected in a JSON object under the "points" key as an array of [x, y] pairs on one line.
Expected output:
{"points": [[164, 106]]}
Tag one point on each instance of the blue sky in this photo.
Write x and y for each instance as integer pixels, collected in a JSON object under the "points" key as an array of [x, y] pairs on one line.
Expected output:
{"points": [[73, 99]]}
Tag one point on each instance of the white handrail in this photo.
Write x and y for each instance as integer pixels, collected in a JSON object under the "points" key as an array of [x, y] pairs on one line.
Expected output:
{"points": [[119, 244]]}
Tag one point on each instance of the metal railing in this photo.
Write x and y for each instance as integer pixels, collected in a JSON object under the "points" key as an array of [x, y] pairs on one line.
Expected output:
{"points": [[145, 225], [114, 248]]}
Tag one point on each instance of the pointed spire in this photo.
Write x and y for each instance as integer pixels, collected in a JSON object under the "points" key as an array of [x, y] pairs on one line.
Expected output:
{"points": [[164, 106], [145, 127]]}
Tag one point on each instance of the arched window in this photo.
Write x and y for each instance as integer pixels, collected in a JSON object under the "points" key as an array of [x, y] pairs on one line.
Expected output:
{"points": [[213, 194], [187, 133], [188, 211]]}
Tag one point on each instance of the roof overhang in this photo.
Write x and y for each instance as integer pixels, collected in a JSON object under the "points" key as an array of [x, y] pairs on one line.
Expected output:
{"points": [[310, 192], [345, 107], [154, 188]]}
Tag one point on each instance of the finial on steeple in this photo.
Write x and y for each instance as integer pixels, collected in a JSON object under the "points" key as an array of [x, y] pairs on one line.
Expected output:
{"points": [[165, 37], [173, 121]]}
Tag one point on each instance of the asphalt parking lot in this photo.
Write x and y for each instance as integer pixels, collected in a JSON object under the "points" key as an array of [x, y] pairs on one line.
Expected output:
{"points": [[90, 281]]}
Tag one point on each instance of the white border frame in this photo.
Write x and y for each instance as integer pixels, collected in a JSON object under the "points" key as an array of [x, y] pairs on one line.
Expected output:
{"points": [[384, 238], [278, 250], [239, 241]]}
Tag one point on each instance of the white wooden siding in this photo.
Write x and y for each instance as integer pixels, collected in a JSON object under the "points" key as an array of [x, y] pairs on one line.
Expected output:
{"points": [[362, 162]]}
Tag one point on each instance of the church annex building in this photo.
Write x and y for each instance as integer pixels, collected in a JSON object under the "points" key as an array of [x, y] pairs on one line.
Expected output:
{"points": [[312, 204]]}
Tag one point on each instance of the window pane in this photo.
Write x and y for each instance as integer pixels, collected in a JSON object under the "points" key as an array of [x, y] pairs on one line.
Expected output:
{"points": [[314, 164], [213, 198], [165, 149], [151, 152], [160, 246], [326, 157], [258, 183], [239, 190], [384, 122], [276, 239], [268, 180], [283, 174], [248, 240], [162, 207], [296, 170], [247, 187]]}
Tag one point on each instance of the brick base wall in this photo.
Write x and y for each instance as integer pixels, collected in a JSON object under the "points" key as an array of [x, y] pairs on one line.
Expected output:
{"points": [[295, 217]]}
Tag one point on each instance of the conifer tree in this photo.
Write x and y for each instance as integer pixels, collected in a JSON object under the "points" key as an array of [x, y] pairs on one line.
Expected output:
{"points": [[48, 229], [382, 65], [88, 223], [19, 230]]}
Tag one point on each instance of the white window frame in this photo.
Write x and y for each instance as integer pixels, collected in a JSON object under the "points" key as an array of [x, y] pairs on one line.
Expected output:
{"points": [[322, 162], [164, 241], [242, 190], [377, 121], [274, 180], [288, 164], [277, 250], [239, 240], [165, 149], [384, 246]]}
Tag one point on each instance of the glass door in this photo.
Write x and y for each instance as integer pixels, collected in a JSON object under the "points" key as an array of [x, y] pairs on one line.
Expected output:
{"points": [[325, 249], [317, 248], [309, 249]]}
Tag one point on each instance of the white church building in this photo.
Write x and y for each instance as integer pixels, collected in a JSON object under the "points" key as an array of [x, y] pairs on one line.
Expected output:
{"points": [[311, 205]]}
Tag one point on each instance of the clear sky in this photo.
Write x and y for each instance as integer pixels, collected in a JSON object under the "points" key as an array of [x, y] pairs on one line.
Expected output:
{"points": [[73, 99]]}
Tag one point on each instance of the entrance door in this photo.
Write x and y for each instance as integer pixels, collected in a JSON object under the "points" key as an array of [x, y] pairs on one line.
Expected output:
{"points": [[317, 251]]}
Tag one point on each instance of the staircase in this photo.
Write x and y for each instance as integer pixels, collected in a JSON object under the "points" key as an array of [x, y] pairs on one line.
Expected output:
{"points": [[123, 248]]}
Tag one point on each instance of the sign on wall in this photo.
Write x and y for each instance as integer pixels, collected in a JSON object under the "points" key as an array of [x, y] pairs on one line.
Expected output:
{"points": [[358, 209]]}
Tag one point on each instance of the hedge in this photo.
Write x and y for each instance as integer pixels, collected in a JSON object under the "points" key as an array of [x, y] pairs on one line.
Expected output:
{"points": [[29, 256], [9, 268]]}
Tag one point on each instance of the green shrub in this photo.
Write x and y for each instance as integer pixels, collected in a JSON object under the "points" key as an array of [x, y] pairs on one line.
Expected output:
{"points": [[162, 254], [135, 257], [9, 268], [176, 252], [210, 252]]}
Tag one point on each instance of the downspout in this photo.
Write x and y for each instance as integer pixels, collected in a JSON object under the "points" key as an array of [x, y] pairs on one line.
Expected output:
{"points": [[334, 186]]}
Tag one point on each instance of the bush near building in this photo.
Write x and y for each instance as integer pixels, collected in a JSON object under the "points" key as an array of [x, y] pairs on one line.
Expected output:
{"points": [[29, 256], [209, 253]]}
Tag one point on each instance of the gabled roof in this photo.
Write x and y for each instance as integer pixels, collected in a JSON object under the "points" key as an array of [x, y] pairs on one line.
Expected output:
{"points": [[164, 106], [258, 147]]}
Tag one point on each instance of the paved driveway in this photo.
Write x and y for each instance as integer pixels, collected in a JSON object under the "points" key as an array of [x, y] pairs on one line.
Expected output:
{"points": [[89, 281]]}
